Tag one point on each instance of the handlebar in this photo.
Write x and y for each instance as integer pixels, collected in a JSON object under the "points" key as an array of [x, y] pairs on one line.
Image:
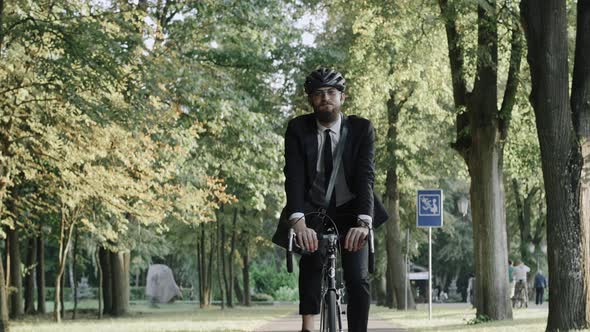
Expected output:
{"points": [[329, 236]]}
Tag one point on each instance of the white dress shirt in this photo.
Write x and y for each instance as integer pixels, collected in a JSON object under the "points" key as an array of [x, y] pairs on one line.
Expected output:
{"points": [[519, 272]]}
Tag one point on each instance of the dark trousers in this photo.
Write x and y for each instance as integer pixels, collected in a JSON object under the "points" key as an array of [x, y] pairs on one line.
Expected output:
{"points": [[356, 274], [539, 295]]}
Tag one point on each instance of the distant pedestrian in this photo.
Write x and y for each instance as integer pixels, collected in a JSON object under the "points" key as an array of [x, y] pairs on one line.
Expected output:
{"points": [[540, 285]]}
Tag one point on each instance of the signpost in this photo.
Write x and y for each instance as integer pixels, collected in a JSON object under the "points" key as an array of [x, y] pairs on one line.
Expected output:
{"points": [[429, 213]]}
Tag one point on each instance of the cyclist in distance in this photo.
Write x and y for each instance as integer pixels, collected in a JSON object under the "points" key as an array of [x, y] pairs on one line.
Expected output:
{"points": [[310, 145]]}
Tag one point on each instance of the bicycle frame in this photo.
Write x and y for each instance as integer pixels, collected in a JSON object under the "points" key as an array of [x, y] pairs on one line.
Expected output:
{"points": [[329, 285]]}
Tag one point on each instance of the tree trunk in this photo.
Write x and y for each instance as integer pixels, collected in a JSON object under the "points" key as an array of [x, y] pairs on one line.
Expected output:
{"points": [[30, 276], [57, 298], [389, 290], [100, 281], [564, 161], [204, 271], [200, 278], [71, 278], [220, 261], [116, 289], [74, 274], [580, 102], [481, 131], [40, 274], [246, 277], [137, 274], [107, 280], [16, 299], [238, 290], [210, 273], [230, 287], [126, 280], [378, 285], [489, 222], [395, 260], [120, 283], [66, 228], [62, 306], [4, 327]]}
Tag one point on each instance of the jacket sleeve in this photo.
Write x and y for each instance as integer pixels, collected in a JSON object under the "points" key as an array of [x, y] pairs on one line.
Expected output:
{"points": [[294, 170], [366, 171]]}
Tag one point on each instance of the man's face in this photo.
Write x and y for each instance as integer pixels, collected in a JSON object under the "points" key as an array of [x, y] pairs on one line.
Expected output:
{"points": [[326, 103]]}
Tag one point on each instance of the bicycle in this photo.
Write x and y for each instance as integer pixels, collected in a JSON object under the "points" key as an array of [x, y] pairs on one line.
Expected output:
{"points": [[520, 298], [331, 297]]}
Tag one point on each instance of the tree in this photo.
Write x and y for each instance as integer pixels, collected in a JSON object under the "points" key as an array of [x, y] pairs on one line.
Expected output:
{"points": [[563, 126], [481, 131], [4, 327]]}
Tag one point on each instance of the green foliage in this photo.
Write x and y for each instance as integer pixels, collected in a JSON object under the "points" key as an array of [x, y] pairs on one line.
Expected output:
{"points": [[136, 293], [285, 293], [135, 124], [479, 319], [268, 279], [262, 297]]}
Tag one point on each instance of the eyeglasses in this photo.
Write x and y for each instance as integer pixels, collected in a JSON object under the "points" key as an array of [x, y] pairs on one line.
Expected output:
{"points": [[329, 93]]}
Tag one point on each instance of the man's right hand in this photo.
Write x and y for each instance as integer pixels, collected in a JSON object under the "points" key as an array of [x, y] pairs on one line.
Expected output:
{"points": [[306, 237]]}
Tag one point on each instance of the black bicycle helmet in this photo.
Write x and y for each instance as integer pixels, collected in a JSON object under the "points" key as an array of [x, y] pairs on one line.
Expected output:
{"points": [[323, 77]]}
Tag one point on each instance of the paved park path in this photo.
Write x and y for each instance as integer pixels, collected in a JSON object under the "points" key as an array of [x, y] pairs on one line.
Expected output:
{"points": [[292, 323]]}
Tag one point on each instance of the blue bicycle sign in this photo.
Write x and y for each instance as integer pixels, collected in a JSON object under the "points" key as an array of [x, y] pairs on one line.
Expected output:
{"points": [[429, 208]]}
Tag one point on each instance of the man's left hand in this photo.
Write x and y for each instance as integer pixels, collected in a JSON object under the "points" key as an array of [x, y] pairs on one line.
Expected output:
{"points": [[355, 239]]}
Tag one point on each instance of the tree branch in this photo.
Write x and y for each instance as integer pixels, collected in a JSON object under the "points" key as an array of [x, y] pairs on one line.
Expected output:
{"points": [[516, 47], [519, 205], [36, 100], [1, 24], [456, 58], [540, 229], [486, 78]]}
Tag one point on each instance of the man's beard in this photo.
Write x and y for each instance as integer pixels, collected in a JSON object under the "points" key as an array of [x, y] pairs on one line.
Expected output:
{"points": [[326, 116]]}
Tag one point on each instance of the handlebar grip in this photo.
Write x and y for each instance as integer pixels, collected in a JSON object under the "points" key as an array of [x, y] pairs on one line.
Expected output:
{"points": [[289, 261], [371, 251], [290, 251]]}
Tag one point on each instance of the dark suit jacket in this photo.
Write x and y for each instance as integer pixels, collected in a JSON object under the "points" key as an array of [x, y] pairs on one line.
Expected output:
{"points": [[301, 155]]}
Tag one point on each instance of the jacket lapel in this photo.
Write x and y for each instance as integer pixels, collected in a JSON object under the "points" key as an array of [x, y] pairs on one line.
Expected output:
{"points": [[311, 147], [347, 153]]}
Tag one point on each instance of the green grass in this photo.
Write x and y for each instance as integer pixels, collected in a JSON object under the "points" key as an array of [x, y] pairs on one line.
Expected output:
{"points": [[182, 316], [455, 317], [168, 317]]}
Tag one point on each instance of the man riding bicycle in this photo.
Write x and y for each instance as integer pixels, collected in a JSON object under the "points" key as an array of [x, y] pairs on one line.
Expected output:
{"points": [[310, 143], [519, 274]]}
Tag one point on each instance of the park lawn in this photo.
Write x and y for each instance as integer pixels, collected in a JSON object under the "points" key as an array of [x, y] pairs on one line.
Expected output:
{"points": [[455, 317], [168, 317]]}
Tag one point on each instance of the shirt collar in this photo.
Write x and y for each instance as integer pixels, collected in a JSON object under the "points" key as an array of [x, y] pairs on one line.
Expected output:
{"points": [[335, 126]]}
